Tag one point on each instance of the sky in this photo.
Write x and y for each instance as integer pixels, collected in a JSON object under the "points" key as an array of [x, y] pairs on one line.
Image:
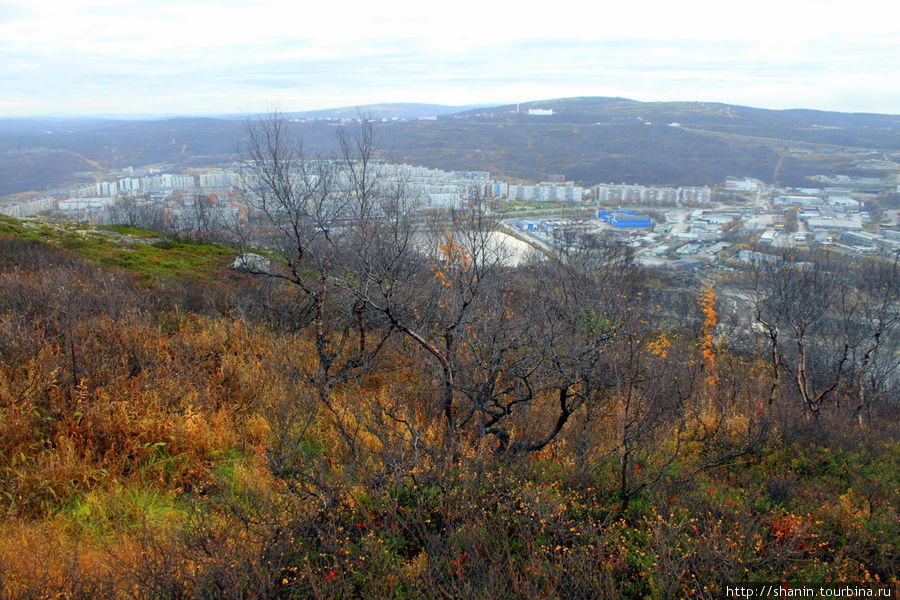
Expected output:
{"points": [[129, 57]]}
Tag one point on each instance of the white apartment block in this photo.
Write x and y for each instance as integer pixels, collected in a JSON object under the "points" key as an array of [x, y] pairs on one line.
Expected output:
{"points": [[546, 193], [32, 207], [73, 204], [129, 184], [106, 188], [746, 184], [640, 194], [218, 180]]}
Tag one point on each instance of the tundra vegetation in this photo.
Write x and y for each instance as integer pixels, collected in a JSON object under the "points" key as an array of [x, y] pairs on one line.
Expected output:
{"points": [[388, 409]]}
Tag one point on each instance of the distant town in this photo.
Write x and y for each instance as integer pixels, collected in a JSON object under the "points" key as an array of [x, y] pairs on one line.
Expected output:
{"points": [[678, 227]]}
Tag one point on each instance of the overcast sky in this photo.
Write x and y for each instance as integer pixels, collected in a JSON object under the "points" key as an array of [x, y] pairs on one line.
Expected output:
{"points": [[227, 56]]}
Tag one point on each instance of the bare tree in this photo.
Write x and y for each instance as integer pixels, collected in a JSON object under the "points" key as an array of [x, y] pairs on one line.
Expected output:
{"points": [[515, 353], [431, 293], [203, 219], [871, 316], [824, 325], [133, 212], [792, 299], [316, 215]]}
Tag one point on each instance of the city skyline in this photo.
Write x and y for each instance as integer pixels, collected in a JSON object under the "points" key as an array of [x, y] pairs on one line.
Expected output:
{"points": [[200, 57]]}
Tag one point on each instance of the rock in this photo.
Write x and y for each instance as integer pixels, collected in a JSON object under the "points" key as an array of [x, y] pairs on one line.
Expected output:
{"points": [[250, 262]]}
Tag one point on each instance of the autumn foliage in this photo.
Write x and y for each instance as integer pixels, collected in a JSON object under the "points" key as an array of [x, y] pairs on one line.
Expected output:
{"points": [[707, 303], [171, 438]]}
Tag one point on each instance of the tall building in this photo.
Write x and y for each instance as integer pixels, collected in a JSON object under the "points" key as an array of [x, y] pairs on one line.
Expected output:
{"points": [[640, 194]]}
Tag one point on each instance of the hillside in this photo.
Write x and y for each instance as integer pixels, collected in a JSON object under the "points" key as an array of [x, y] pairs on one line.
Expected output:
{"points": [[390, 110], [589, 140], [172, 428], [842, 129], [586, 153]]}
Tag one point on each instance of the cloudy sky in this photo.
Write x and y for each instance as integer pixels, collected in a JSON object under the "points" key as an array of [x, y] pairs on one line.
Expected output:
{"points": [[230, 56]]}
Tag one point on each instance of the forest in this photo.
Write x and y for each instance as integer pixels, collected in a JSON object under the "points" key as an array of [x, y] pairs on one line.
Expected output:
{"points": [[347, 399]]}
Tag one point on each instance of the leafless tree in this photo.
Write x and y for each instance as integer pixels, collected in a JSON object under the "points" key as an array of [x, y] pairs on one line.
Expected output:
{"points": [[133, 212], [824, 322], [516, 353], [871, 316], [432, 292], [315, 215], [202, 219]]}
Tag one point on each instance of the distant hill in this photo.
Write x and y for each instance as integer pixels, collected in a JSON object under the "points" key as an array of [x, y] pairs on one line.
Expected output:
{"points": [[620, 140], [398, 110], [589, 140]]}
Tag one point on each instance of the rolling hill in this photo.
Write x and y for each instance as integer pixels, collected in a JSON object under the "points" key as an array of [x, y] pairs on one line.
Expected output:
{"points": [[589, 140]]}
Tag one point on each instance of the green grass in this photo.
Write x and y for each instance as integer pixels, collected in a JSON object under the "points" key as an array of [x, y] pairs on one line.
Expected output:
{"points": [[20, 228], [147, 253], [135, 232], [165, 258], [120, 508]]}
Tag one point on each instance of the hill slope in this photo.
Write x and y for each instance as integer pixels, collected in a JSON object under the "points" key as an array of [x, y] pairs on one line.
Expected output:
{"points": [[164, 433], [587, 139]]}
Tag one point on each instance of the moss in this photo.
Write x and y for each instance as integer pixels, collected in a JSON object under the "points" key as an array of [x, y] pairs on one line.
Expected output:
{"points": [[135, 232], [148, 254]]}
